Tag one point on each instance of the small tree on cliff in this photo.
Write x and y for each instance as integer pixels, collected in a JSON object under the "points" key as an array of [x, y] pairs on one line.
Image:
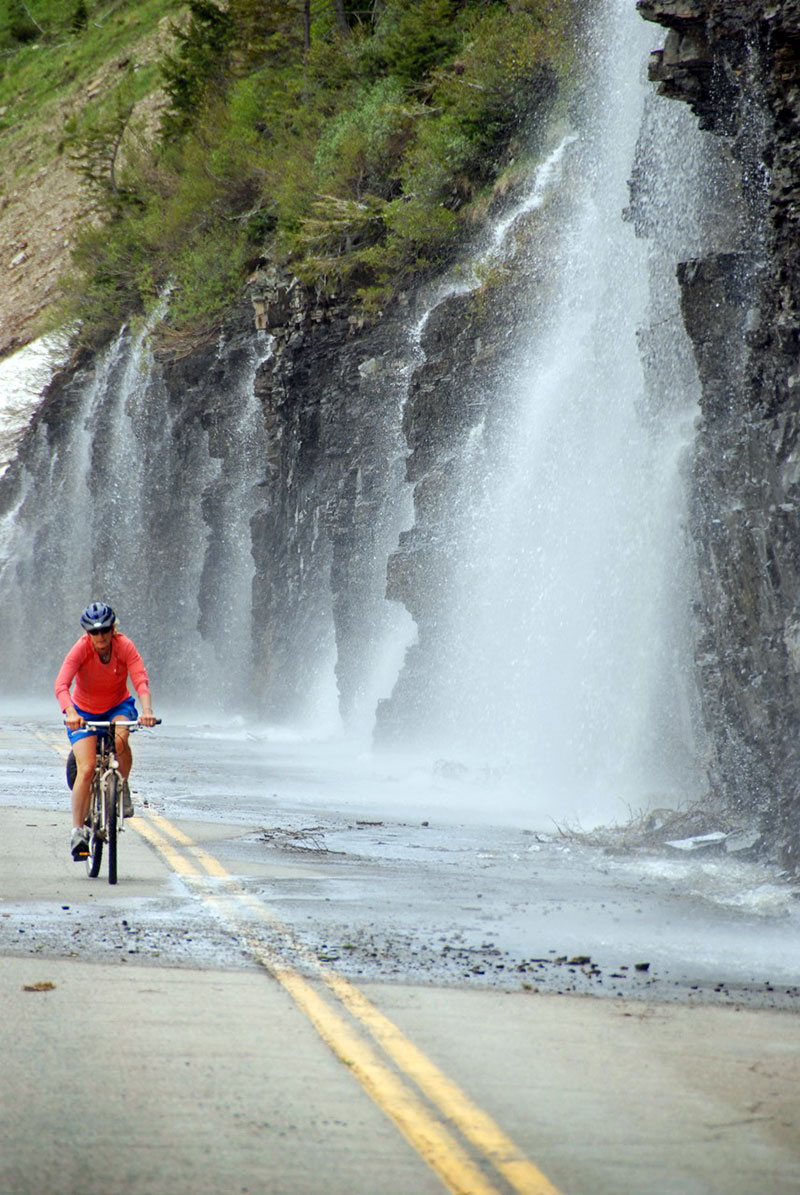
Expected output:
{"points": [[19, 25], [197, 64], [80, 18]]}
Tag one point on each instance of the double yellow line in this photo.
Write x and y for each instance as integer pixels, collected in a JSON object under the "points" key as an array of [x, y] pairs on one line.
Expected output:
{"points": [[366, 1042]]}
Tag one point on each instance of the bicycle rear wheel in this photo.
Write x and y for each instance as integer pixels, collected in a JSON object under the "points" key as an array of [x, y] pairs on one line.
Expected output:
{"points": [[113, 790]]}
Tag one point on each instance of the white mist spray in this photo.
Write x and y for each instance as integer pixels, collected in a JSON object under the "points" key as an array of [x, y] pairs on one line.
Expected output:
{"points": [[145, 503], [568, 667]]}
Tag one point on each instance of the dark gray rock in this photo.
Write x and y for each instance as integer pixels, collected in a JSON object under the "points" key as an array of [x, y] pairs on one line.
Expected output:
{"points": [[332, 395], [738, 66]]}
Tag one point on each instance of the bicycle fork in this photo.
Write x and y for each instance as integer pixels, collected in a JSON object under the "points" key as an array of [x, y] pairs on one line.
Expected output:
{"points": [[112, 770]]}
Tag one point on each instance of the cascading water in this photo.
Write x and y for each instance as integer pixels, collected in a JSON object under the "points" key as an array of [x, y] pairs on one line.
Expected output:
{"points": [[563, 660], [130, 499]]}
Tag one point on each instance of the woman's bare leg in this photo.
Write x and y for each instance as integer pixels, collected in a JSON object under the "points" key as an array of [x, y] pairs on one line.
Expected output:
{"points": [[123, 748], [84, 751]]}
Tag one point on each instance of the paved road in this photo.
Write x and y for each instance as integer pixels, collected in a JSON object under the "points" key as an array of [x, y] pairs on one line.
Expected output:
{"points": [[183, 1031]]}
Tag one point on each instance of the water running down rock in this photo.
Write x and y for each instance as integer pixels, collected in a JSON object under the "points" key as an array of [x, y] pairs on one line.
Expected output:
{"points": [[548, 409]]}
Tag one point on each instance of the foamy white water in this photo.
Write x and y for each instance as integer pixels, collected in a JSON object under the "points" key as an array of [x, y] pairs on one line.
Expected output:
{"points": [[23, 377], [568, 670]]}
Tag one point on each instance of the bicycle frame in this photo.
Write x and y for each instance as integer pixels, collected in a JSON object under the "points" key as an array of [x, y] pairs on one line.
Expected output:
{"points": [[106, 813]]}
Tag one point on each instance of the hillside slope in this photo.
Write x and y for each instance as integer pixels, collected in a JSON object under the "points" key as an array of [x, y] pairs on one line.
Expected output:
{"points": [[50, 74], [355, 146]]}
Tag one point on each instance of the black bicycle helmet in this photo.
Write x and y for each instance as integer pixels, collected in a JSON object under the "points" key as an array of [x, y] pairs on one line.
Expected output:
{"points": [[98, 617]]}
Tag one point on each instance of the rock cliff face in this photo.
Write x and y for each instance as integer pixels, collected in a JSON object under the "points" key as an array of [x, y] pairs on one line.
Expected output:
{"points": [[737, 64], [358, 416], [332, 394], [318, 478]]}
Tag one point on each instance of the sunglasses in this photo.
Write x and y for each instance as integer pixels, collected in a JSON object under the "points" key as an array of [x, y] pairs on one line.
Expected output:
{"points": [[100, 631]]}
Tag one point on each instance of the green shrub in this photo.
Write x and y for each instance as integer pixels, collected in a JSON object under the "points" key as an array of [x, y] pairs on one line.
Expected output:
{"points": [[418, 233], [499, 87], [208, 274], [80, 18], [105, 288], [18, 26], [360, 149], [352, 161], [413, 36]]}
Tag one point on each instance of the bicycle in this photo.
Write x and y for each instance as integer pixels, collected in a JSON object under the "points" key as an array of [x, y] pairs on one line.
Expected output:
{"points": [[106, 818]]}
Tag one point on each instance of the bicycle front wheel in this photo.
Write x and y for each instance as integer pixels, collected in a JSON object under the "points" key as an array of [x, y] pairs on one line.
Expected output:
{"points": [[113, 790], [95, 856]]}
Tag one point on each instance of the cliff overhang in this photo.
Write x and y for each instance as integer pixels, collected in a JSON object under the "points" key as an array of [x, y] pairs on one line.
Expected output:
{"points": [[737, 65]]}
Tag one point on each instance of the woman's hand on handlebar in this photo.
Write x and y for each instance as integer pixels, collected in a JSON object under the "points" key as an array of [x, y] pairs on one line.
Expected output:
{"points": [[148, 718], [72, 719]]}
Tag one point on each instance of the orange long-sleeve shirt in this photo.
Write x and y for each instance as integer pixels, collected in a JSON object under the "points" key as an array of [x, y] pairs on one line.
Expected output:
{"points": [[99, 686]]}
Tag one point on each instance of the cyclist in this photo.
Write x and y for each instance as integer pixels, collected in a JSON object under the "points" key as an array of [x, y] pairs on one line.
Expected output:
{"points": [[99, 664]]}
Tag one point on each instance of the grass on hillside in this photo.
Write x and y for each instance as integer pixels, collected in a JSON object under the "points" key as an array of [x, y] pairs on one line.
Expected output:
{"points": [[351, 156], [56, 63]]}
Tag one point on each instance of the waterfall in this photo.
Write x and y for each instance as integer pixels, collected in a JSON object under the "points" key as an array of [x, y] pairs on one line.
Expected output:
{"points": [[562, 666], [126, 496]]}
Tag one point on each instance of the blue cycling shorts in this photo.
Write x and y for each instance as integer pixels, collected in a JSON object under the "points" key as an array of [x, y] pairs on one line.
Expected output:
{"points": [[126, 708]]}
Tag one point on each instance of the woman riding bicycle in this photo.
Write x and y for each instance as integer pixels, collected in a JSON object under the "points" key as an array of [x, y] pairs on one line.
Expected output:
{"points": [[99, 664]]}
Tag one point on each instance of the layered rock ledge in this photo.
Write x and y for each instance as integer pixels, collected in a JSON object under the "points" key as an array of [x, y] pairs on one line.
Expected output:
{"points": [[737, 64]]}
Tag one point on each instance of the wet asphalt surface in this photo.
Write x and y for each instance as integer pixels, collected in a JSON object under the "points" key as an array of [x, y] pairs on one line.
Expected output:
{"points": [[395, 877]]}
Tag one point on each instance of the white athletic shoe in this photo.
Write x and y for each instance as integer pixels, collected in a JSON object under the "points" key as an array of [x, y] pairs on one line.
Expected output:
{"points": [[79, 844]]}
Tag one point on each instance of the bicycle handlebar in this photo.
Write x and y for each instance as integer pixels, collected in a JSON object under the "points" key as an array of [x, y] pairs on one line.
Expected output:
{"points": [[135, 724]]}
